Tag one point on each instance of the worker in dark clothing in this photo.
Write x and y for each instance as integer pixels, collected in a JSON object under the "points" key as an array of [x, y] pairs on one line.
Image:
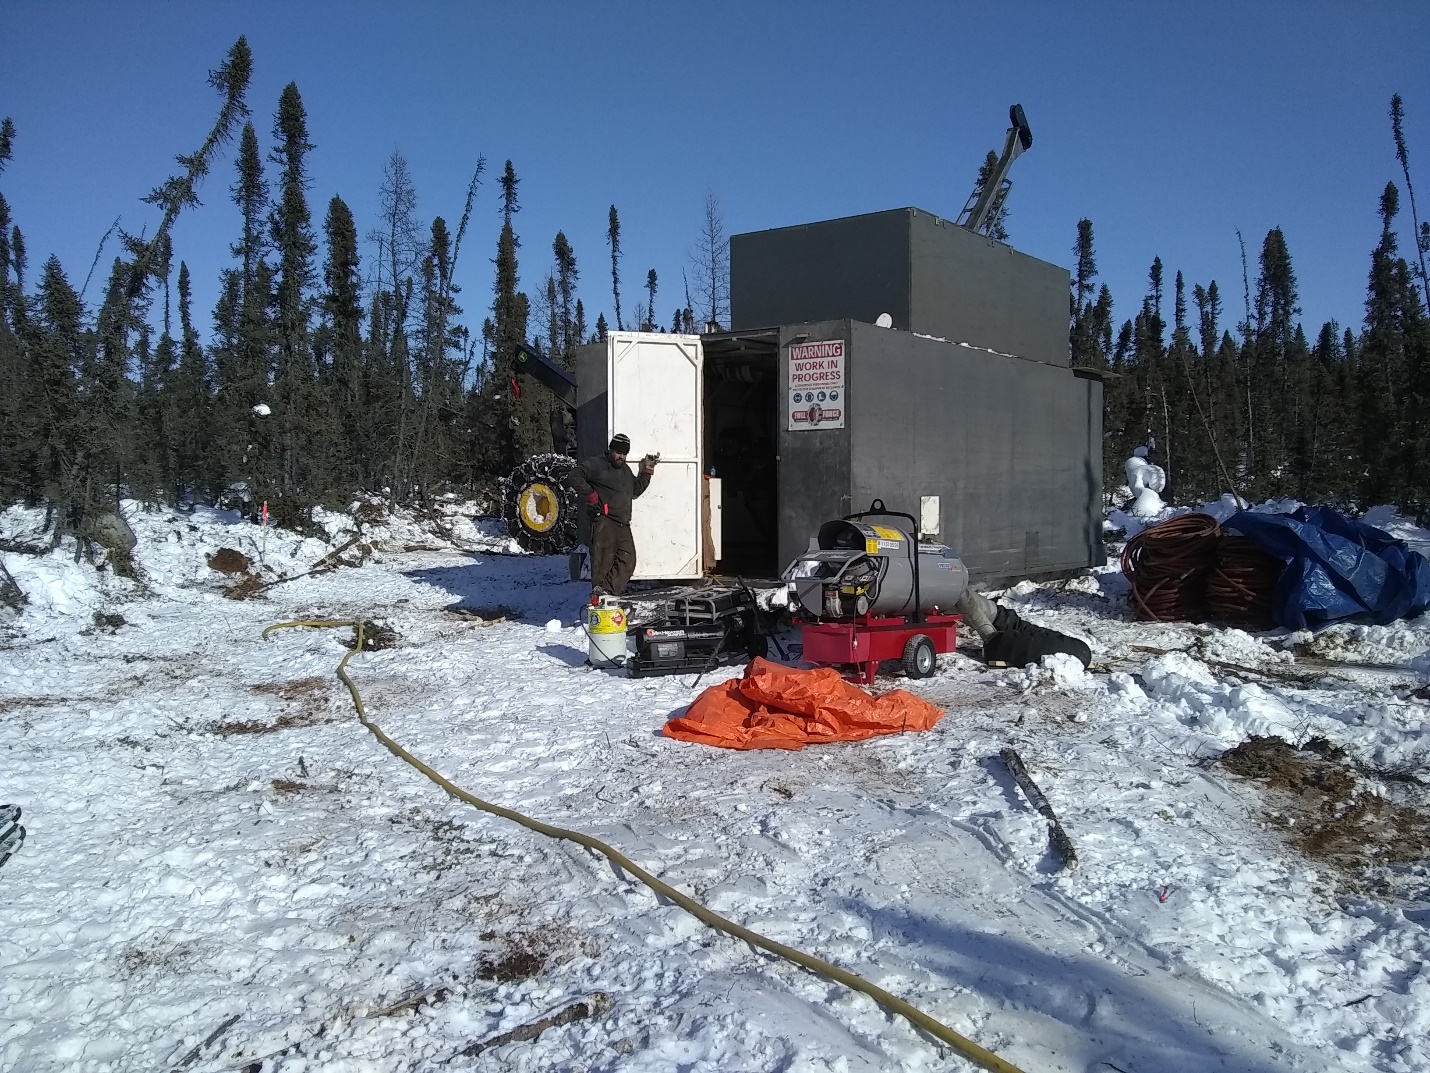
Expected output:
{"points": [[610, 488]]}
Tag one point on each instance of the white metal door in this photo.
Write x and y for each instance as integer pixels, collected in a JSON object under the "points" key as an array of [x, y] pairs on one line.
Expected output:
{"points": [[654, 395]]}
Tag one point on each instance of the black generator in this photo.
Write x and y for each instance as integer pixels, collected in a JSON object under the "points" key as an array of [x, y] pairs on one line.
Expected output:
{"points": [[699, 633]]}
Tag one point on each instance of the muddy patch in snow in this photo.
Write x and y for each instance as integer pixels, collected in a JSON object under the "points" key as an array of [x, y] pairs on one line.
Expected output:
{"points": [[1312, 797], [307, 694], [11, 703], [525, 953], [520, 958], [247, 587], [233, 727], [376, 636], [155, 956], [229, 561], [297, 689]]}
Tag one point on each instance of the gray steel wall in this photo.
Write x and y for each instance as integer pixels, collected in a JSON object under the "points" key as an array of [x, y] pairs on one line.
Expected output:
{"points": [[930, 275], [970, 289], [857, 267], [1012, 448], [814, 470]]}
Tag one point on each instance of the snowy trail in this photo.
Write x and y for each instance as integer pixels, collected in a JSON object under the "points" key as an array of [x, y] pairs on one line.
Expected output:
{"points": [[212, 833]]}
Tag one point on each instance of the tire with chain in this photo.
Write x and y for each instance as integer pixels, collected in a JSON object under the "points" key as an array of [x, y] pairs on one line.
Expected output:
{"points": [[539, 505]]}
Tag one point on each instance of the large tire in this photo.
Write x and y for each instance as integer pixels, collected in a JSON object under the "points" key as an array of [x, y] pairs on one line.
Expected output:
{"points": [[920, 659], [539, 505]]}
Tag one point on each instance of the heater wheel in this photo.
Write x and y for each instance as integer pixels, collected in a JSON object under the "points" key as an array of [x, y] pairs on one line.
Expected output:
{"points": [[920, 659]]}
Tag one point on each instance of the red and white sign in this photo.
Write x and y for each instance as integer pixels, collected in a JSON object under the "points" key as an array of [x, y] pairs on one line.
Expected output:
{"points": [[816, 385]]}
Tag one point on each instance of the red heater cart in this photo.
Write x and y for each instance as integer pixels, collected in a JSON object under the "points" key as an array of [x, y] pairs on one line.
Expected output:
{"points": [[868, 641]]}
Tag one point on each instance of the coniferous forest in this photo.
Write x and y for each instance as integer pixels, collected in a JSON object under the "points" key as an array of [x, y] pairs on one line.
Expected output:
{"points": [[327, 373]]}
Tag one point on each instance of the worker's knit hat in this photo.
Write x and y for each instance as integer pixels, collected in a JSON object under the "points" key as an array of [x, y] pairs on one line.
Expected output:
{"points": [[620, 444]]}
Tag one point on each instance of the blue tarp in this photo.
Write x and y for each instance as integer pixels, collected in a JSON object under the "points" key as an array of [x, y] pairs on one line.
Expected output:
{"points": [[1337, 569]]}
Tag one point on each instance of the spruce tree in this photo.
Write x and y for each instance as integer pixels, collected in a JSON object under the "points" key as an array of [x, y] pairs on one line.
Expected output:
{"points": [[18, 259], [106, 446], [250, 194], [18, 432], [1393, 360], [189, 400], [302, 420], [56, 348], [1085, 259], [1121, 401], [1422, 235], [339, 345], [650, 285], [1101, 325], [1083, 331], [551, 314], [1154, 371], [1276, 368], [515, 422], [244, 336], [572, 326], [152, 474], [180, 191], [613, 239], [439, 377], [1208, 303]]}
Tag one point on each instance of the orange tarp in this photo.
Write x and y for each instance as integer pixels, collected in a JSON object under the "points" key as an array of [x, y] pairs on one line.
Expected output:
{"points": [[778, 707]]}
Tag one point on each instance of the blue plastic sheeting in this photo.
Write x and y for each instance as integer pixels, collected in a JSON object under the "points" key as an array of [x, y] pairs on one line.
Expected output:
{"points": [[1337, 569]]}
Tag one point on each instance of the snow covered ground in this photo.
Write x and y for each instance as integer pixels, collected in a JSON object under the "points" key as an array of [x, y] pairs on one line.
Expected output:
{"points": [[215, 843]]}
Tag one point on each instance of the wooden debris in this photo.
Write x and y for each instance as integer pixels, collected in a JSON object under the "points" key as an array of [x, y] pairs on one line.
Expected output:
{"points": [[199, 1048], [11, 594], [430, 997], [328, 562], [1056, 835], [594, 1006]]}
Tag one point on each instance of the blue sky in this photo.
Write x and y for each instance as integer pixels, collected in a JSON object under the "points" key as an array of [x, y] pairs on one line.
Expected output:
{"points": [[1169, 127]]}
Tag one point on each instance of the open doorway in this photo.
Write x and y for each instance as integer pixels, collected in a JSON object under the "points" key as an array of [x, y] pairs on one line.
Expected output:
{"points": [[741, 445]]}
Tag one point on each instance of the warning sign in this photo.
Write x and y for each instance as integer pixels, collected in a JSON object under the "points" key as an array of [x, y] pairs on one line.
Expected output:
{"points": [[816, 385]]}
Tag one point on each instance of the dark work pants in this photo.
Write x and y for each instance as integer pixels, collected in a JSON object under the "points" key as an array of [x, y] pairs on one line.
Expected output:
{"points": [[613, 555]]}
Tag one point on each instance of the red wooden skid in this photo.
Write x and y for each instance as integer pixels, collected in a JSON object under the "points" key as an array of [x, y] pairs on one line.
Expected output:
{"points": [[866, 641]]}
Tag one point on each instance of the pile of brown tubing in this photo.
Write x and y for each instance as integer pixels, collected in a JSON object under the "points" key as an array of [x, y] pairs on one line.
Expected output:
{"points": [[1240, 586], [1188, 570]]}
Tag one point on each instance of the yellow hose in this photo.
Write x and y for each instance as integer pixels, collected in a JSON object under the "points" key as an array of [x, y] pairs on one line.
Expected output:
{"points": [[962, 1044]]}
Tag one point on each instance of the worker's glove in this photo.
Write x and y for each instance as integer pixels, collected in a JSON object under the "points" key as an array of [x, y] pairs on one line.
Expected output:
{"points": [[648, 463], [594, 498]]}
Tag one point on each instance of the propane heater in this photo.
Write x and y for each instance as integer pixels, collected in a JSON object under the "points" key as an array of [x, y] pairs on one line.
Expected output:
{"points": [[868, 591]]}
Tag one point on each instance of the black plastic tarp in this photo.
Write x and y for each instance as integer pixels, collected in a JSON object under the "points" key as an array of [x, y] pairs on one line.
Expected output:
{"points": [[1337, 569]]}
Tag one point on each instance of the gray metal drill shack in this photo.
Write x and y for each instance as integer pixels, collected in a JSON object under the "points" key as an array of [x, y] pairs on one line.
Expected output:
{"points": [[963, 411]]}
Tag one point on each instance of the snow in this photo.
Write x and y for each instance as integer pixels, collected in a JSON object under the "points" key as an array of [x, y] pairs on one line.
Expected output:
{"points": [[212, 833], [1144, 482]]}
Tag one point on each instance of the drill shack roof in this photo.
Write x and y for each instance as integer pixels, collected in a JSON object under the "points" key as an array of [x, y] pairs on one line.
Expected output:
{"points": [[931, 276]]}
